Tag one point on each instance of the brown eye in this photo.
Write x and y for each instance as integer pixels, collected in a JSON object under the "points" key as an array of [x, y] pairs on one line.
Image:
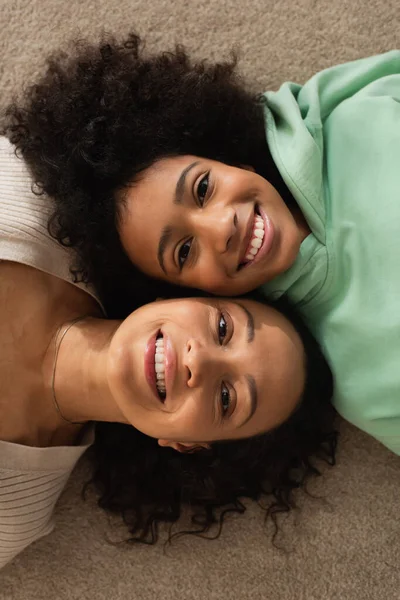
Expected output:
{"points": [[222, 328], [225, 399], [184, 252], [202, 189]]}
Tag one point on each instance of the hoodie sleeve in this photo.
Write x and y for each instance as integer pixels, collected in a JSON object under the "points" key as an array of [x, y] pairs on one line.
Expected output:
{"points": [[326, 90]]}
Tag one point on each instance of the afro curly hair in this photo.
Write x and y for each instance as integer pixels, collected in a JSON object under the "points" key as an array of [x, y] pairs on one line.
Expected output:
{"points": [[104, 112]]}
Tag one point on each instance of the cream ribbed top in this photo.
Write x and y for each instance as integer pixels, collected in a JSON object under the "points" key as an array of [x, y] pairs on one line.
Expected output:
{"points": [[31, 479]]}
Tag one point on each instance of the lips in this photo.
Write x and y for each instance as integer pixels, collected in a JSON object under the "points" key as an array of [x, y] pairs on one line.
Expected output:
{"points": [[170, 366]]}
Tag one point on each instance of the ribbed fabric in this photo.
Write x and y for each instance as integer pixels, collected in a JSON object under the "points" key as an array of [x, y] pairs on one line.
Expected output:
{"points": [[31, 479], [24, 217]]}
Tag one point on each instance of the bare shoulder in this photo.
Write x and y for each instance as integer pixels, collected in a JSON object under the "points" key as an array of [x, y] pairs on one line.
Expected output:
{"points": [[33, 304]]}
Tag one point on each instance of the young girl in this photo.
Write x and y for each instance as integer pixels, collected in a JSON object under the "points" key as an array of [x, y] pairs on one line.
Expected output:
{"points": [[171, 168]]}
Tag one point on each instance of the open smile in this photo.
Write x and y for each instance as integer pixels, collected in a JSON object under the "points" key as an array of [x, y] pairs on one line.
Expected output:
{"points": [[149, 364], [258, 240], [160, 365]]}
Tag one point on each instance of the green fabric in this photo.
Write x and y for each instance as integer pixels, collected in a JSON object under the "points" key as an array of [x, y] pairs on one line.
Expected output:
{"points": [[336, 143]]}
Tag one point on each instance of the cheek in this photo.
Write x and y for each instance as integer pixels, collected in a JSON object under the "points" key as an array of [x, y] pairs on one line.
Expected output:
{"points": [[250, 279], [191, 423], [220, 287], [246, 281], [274, 198], [209, 277]]}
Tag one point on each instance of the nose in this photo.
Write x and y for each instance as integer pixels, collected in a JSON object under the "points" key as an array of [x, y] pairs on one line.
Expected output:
{"points": [[218, 226], [197, 362]]}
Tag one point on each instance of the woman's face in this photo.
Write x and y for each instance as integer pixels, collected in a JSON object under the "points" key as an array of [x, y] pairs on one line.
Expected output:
{"points": [[226, 369], [203, 224]]}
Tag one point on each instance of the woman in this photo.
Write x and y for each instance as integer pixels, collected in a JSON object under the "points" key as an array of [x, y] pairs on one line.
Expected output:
{"points": [[189, 375], [172, 168]]}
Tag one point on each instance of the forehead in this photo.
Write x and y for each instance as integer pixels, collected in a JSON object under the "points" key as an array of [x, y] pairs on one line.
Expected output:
{"points": [[150, 196], [195, 303]]}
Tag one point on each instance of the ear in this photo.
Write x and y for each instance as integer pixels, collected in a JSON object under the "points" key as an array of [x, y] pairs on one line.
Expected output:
{"points": [[248, 168], [184, 447]]}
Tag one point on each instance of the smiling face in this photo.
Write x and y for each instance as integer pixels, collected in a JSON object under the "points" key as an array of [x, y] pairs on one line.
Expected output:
{"points": [[204, 224], [226, 369]]}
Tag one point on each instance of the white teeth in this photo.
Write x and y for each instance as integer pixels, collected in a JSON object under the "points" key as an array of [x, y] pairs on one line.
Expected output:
{"points": [[159, 365], [256, 239], [256, 243]]}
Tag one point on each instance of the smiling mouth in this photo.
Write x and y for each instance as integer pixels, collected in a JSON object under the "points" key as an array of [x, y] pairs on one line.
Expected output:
{"points": [[256, 240], [159, 366]]}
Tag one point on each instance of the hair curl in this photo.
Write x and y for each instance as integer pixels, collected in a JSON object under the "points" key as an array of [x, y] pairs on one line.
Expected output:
{"points": [[148, 485], [102, 113]]}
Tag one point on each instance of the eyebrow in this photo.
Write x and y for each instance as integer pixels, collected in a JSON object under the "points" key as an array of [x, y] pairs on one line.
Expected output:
{"points": [[165, 239], [253, 398], [251, 382], [250, 322], [180, 184], [166, 233]]}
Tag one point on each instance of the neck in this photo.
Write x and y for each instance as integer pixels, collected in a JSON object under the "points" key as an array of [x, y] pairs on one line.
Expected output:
{"points": [[80, 375]]}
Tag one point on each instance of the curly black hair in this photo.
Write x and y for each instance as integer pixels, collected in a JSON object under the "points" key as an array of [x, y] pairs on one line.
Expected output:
{"points": [[101, 114], [148, 485]]}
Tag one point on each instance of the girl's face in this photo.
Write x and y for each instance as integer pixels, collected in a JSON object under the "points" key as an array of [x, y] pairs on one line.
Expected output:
{"points": [[198, 370], [201, 223]]}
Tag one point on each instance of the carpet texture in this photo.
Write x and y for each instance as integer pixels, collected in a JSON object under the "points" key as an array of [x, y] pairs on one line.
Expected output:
{"points": [[345, 543]]}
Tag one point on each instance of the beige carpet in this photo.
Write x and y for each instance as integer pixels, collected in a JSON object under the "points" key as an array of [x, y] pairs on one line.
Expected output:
{"points": [[346, 547]]}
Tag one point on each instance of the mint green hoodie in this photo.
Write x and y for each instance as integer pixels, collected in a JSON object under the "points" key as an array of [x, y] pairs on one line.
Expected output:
{"points": [[336, 143]]}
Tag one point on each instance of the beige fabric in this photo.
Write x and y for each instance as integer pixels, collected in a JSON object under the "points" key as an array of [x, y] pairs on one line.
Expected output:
{"points": [[346, 546], [24, 217], [31, 479]]}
